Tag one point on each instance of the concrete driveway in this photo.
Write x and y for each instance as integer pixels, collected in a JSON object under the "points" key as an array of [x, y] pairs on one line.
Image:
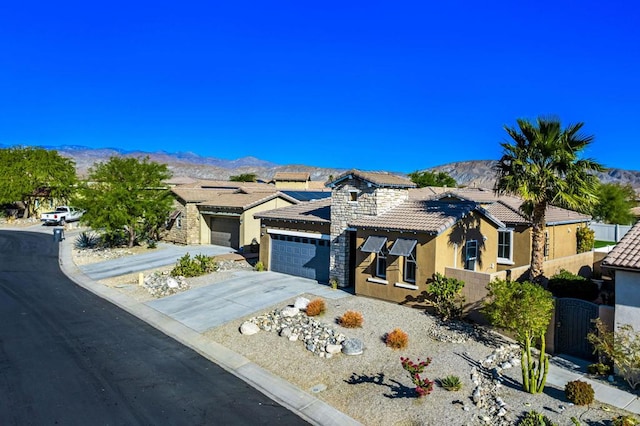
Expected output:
{"points": [[245, 293], [166, 254]]}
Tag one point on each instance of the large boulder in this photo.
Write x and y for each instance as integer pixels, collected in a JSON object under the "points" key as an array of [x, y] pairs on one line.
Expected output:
{"points": [[249, 328], [352, 346]]}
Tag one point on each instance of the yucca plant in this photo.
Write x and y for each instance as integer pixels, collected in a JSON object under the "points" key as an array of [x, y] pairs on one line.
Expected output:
{"points": [[451, 383], [86, 240]]}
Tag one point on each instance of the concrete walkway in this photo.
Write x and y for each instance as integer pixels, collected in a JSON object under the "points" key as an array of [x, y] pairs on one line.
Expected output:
{"points": [[186, 315]]}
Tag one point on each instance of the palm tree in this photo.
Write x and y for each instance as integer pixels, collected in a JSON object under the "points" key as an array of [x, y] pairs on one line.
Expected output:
{"points": [[542, 165]]}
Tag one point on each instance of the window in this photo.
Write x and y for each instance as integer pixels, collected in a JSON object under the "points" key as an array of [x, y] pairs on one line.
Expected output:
{"points": [[381, 262], [471, 255], [353, 196], [179, 222], [410, 267], [505, 246], [406, 248]]}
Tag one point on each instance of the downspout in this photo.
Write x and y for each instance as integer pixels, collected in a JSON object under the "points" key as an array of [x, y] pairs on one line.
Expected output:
{"points": [[455, 255]]}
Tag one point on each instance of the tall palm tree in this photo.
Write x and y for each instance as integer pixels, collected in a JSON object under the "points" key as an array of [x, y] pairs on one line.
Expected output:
{"points": [[542, 165]]}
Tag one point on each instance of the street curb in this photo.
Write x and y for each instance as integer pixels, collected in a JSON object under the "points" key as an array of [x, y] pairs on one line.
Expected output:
{"points": [[309, 408]]}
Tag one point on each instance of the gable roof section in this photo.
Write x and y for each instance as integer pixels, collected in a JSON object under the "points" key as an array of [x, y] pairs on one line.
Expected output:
{"points": [[505, 208], [292, 176], [626, 254], [315, 211], [241, 200], [377, 179], [429, 216]]}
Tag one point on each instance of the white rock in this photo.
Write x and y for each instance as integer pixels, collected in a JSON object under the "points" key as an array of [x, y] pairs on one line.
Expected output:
{"points": [[293, 337], [290, 311], [333, 349], [249, 328], [506, 365], [172, 283], [476, 395], [301, 303], [286, 332], [502, 412]]}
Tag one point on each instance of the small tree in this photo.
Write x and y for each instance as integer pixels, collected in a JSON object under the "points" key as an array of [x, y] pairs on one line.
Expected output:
{"points": [[614, 203], [622, 347], [524, 309], [446, 296], [125, 195], [422, 179], [244, 177], [586, 239]]}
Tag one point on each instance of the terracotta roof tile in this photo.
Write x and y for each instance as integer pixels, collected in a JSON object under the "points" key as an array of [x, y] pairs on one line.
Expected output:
{"points": [[318, 211], [626, 254], [429, 216], [292, 176], [382, 179], [239, 200]]}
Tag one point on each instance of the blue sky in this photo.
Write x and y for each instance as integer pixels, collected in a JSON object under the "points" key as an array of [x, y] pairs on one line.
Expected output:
{"points": [[400, 86]]}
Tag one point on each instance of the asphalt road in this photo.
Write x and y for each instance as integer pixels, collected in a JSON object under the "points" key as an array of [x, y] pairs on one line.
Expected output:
{"points": [[68, 357]]}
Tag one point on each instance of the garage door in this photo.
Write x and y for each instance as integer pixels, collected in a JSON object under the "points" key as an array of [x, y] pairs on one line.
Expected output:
{"points": [[225, 232], [302, 257]]}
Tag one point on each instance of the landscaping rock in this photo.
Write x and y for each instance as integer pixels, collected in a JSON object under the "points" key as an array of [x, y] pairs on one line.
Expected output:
{"points": [[248, 328], [352, 347], [301, 303]]}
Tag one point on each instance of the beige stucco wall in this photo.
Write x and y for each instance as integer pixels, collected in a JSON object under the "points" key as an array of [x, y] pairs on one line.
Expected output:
{"points": [[562, 240], [250, 226], [291, 185]]}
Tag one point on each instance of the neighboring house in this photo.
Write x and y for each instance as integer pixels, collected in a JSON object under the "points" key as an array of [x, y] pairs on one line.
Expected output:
{"points": [[388, 238], [624, 259], [292, 180], [221, 213]]}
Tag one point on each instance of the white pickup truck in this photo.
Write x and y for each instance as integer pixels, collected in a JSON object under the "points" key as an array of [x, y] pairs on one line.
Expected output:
{"points": [[61, 215]]}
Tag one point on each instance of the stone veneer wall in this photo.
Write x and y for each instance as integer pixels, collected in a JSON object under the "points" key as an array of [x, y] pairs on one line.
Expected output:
{"points": [[371, 202], [192, 224]]}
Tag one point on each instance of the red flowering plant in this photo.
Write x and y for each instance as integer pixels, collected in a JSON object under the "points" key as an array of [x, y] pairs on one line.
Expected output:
{"points": [[423, 386]]}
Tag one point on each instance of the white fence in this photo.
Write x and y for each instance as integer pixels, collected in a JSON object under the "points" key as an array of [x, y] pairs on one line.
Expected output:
{"points": [[606, 232]]}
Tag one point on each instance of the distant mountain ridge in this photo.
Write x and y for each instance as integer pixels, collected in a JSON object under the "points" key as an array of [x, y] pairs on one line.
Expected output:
{"points": [[478, 173]]}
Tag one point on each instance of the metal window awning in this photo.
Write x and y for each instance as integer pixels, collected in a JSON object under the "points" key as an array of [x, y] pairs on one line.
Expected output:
{"points": [[373, 244], [174, 214], [403, 247]]}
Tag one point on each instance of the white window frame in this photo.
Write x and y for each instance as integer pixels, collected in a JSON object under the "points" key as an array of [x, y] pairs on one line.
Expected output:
{"points": [[179, 222], [506, 260], [382, 255], [467, 258], [410, 260]]}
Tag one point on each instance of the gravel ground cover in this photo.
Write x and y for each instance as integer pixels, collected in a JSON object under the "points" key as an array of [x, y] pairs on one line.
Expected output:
{"points": [[373, 388]]}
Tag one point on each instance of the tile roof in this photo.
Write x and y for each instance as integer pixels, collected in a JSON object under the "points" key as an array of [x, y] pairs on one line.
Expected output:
{"points": [[626, 254], [292, 176], [318, 211], [239, 200], [381, 179], [429, 216], [506, 208]]}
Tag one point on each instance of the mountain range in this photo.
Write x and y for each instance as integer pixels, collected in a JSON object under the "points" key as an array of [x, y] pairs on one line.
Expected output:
{"points": [[477, 173]]}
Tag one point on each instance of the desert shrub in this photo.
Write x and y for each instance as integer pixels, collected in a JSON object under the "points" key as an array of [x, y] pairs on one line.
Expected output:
{"points": [[259, 266], [579, 392], [566, 284], [86, 240], [199, 265], [599, 369], [316, 307], [446, 296], [623, 348], [351, 319], [151, 243], [397, 339], [423, 386], [451, 383], [114, 239], [533, 418], [625, 421]]}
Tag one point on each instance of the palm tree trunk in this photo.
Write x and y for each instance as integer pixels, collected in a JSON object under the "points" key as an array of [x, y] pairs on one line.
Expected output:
{"points": [[538, 219]]}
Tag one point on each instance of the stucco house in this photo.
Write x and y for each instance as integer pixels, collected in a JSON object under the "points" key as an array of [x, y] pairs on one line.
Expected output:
{"points": [[221, 212], [624, 259], [292, 180], [387, 238]]}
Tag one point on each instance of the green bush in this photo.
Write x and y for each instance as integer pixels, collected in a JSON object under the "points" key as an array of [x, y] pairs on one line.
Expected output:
{"points": [[446, 296], [259, 266], [533, 418], [199, 265], [579, 392], [566, 284], [586, 239], [86, 240], [600, 369]]}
